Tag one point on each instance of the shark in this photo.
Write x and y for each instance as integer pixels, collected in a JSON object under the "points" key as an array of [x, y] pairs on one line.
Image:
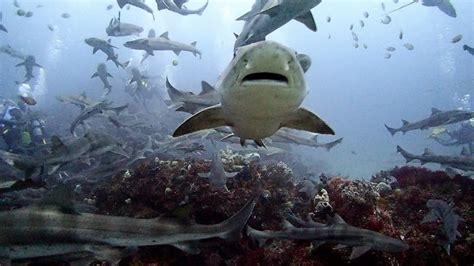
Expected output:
{"points": [[268, 15], [190, 102], [29, 63], [177, 7], [217, 174], [463, 162], [91, 144], [117, 28], [162, 43], [437, 118], [106, 47], [260, 92], [287, 136], [137, 3], [56, 229], [336, 231], [92, 110], [103, 74]]}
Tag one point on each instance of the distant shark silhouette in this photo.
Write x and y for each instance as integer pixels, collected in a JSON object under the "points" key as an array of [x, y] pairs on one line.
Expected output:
{"points": [[443, 5]]}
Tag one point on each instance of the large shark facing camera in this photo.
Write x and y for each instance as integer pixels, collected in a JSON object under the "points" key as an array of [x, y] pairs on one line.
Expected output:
{"points": [[260, 92]]}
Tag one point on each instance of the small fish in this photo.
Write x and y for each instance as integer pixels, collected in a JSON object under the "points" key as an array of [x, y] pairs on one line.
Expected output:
{"points": [[329, 36], [356, 45], [383, 6], [351, 27], [395, 1], [29, 14], [65, 15], [15, 3], [386, 20], [128, 7], [355, 37], [28, 100], [391, 49], [387, 56], [409, 46], [366, 14], [328, 19], [110, 7], [39, 6], [175, 62], [50, 27], [400, 35], [364, 45], [456, 38], [362, 24], [20, 12]]}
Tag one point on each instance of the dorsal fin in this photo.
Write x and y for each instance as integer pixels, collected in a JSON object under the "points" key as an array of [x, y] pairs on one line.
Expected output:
{"points": [[405, 122], [194, 44], [465, 152], [336, 219], [206, 88], [236, 35], [56, 143], [165, 35], [435, 111], [427, 152]]}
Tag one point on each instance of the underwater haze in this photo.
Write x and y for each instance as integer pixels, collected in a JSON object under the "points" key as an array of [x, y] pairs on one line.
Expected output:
{"points": [[356, 90], [300, 122]]}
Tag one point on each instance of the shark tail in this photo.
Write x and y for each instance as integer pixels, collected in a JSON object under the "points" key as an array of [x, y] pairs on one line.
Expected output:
{"points": [[174, 94], [232, 227], [331, 145], [391, 130], [201, 10], [119, 109], [2, 28], [405, 154]]}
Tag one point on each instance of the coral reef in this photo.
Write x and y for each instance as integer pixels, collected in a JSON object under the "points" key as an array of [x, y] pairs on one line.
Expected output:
{"points": [[393, 203]]}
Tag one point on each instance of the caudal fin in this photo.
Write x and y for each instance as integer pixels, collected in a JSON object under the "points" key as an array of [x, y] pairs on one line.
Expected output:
{"points": [[332, 144], [391, 130], [232, 227]]}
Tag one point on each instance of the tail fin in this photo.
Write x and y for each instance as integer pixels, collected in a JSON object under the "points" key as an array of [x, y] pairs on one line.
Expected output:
{"points": [[232, 227], [405, 154], [331, 145], [173, 93], [119, 109], [391, 130], [201, 10]]}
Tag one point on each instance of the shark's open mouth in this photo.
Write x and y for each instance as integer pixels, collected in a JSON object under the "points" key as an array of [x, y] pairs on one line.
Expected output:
{"points": [[265, 77]]}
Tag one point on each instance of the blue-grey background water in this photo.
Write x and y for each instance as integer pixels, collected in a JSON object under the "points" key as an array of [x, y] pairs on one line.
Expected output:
{"points": [[355, 90]]}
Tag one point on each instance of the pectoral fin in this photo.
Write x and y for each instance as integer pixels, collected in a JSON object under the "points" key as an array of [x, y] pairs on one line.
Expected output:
{"points": [[303, 119], [210, 117], [308, 20]]}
